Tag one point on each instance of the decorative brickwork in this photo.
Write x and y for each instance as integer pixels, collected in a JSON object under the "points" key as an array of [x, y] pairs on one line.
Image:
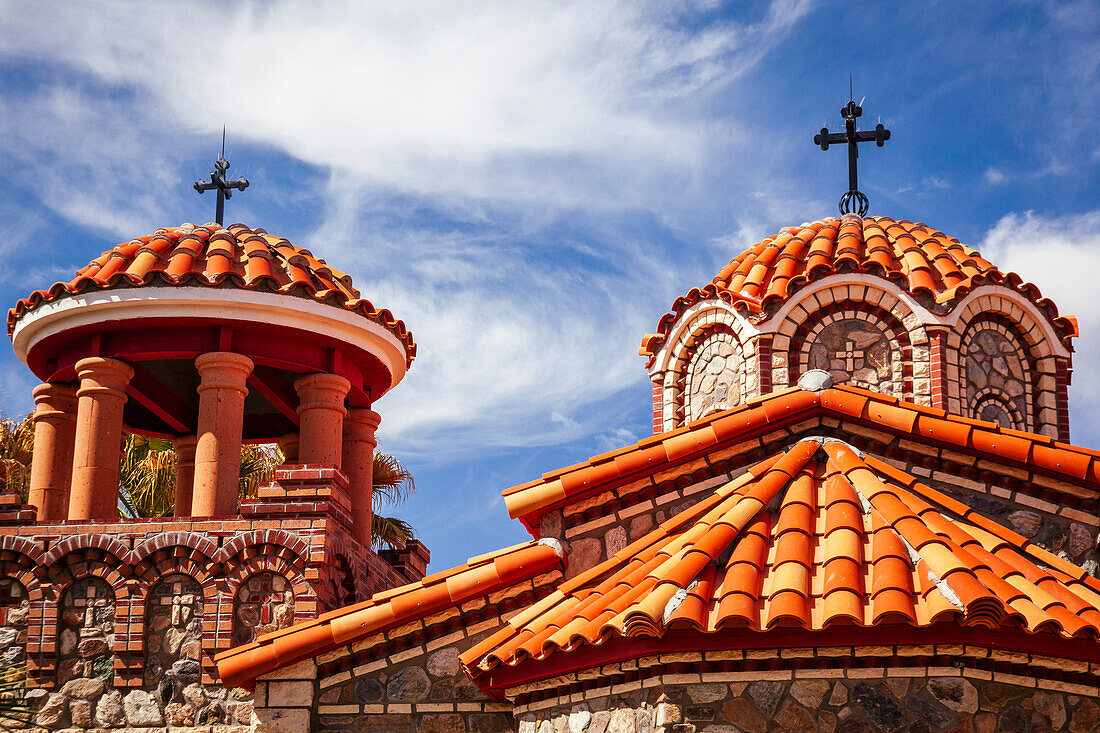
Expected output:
{"points": [[713, 380], [173, 631], [998, 385], [86, 640], [265, 603]]}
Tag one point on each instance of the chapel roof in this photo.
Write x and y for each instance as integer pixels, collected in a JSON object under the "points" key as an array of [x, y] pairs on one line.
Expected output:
{"points": [[212, 256], [388, 609], [919, 258], [768, 412], [816, 536]]}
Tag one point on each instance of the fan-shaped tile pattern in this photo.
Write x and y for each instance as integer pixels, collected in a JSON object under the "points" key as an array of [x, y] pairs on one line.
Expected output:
{"points": [[211, 256], [815, 537], [917, 257]]}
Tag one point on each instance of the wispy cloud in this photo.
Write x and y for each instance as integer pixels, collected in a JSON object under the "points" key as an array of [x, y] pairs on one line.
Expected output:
{"points": [[1062, 256]]}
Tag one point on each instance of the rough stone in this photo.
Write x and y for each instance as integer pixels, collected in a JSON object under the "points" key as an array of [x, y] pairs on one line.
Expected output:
{"points": [[667, 714], [984, 723], [19, 615], [622, 721], [89, 648], [583, 555], [80, 712], [191, 649], [9, 636], [70, 668], [442, 690], [880, 707], [826, 722], [615, 540], [1025, 522], [67, 642], [701, 713], [141, 709], [443, 663], [1080, 540], [368, 689], [579, 718], [1085, 718], [1052, 706], [466, 690], [409, 685], [793, 718], [550, 524], [72, 617], [707, 693], [178, 714], [809, 692], [54, 713], [186, 669], [195, 694], [744, 715], [927, 711], [600, 721], [766, 695], [240, 712], [839, 695], [955, 693], [109, 712], [639, 525], [1014, 720], [173, 637], [84, 688]]}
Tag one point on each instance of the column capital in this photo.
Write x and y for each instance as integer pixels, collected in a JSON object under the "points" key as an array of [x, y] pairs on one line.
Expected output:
{"points": [[103, 375], [223, 370], [55, 401], [322, 391], [360, 424], [184, 446]]}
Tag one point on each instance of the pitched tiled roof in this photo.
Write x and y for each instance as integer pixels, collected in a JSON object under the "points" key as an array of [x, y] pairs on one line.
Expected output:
{"points": [[480, 576], [919, 258], [209, 256], [811, 538], [766, 413]]}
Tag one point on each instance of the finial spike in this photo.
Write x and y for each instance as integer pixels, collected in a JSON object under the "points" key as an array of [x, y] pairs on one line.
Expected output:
{"points": [[854, 200], [220, 184]]}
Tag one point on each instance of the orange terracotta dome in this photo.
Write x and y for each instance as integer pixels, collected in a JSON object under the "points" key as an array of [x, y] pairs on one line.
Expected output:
{"points": [[159, 302], [931, 265], [212, 257]]}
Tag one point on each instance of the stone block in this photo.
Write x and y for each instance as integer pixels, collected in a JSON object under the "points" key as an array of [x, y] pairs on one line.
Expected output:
{"points": [[291, 693]]}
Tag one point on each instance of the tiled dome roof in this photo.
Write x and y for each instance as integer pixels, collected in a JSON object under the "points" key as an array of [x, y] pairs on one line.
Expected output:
{"points": [[917, 257], [207, 255]]}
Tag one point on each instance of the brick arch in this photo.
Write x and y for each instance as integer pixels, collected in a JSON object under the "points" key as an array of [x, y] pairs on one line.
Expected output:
{"points": [[1028, 417], [82, 543], [168, 561], [305, 596], [191, 540], [901, 379], [256, 538], [84, 565], [28, 548], [1012, 310], [677, 375]]}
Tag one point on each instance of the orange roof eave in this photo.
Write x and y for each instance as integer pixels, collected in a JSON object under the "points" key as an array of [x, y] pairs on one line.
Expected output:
{"points": [[240, 666], [765, 413]]}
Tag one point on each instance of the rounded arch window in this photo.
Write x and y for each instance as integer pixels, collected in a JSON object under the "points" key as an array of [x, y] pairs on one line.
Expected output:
{"points": [[265, 603], [173, 629], [858, 345], [997, 371], [714, 376]]}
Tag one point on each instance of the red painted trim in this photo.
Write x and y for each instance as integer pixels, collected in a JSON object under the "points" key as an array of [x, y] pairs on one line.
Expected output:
{"points": [[277, 390], [151, 394], [619, 649]]}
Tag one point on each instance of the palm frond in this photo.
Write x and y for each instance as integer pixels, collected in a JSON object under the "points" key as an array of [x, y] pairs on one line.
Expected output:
{"points": [[389, 532], [393, 482], [258, 463], [16, 452]]}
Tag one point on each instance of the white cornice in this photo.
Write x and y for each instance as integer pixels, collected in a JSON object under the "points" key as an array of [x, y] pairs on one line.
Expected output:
{"points": [[232, 304]]}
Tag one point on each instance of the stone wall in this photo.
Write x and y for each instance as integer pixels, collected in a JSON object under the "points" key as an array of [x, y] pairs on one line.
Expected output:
{"points": [[856, 701], [119, 622]]}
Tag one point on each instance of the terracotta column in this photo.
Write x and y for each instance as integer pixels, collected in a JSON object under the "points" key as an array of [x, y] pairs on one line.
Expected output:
{"points": [[321, 412], [358, 464], [100, 398], [184, 446], [288, 444], [221, 419], [54, 436]]}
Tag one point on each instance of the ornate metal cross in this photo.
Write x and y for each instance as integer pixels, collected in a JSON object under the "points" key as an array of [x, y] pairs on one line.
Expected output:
{"points": [[854, 200], [217, 181]]}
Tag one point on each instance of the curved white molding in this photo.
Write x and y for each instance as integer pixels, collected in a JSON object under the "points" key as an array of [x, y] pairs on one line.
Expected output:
{"points": [[661, 360], [1007, 294], [925, 316], [234, 304]]}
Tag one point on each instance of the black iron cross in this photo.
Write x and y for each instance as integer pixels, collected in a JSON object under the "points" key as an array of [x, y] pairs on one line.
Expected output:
{"points": [[217, 181], [854, 200]]}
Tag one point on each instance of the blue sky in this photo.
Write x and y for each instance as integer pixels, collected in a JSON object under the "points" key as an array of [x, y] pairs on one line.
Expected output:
{"points": [[530, 185]]}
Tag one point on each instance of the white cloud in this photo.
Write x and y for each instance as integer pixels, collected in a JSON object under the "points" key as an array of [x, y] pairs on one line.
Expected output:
{"points": [[1062, 256], [459, 143]]}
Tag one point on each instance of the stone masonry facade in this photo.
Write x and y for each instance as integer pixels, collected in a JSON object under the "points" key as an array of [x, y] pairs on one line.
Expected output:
{"points": [[118, 622]]}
